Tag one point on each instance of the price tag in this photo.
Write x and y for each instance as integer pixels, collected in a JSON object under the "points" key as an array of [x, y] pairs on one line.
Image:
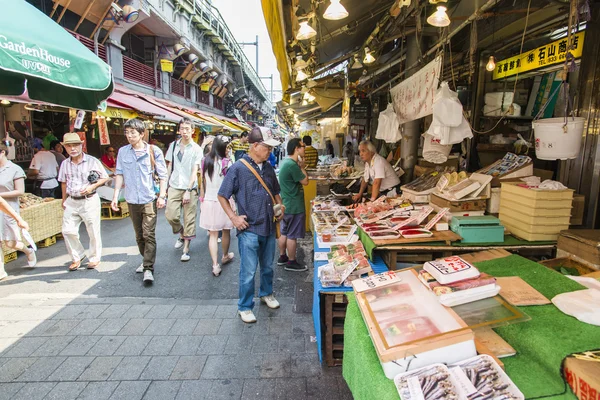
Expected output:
{"points": [[462, 382], [375, 281], [348, 186], [414, 388]]}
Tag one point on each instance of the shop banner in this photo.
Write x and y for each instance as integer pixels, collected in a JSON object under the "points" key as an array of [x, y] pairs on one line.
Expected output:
{"points": [[346, 105], [84, 140], [550, 54], [413, 98], [103, 130]]}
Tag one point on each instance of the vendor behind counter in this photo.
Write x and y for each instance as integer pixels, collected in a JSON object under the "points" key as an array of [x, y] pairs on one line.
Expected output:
{"points": [[379, 173]]}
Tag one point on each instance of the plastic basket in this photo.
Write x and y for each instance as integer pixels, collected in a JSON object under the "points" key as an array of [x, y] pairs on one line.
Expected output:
{"points": [[553, 142]]}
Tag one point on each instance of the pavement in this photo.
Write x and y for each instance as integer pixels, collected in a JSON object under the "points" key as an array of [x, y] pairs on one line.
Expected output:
{"points": [[101, 334]]}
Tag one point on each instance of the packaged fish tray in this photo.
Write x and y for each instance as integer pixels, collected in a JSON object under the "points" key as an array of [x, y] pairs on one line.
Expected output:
{"points": [[434, 382]]}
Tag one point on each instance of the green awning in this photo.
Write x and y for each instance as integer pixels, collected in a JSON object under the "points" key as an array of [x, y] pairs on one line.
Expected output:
{"points": [[41, 61]]}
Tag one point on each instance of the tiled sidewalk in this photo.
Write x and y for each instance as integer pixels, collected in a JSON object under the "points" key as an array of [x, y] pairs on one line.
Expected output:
{"points": [[141, 348]]}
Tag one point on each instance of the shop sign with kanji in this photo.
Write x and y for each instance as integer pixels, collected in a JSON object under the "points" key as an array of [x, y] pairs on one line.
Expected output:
{"points": [[550, 54]]}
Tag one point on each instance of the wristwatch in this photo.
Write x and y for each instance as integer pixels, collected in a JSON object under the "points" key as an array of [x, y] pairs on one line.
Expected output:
{"points": [[189, 190]]}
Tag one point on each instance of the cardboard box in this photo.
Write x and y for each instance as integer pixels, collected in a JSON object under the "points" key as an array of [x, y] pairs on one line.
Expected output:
{"points": [[451, 162], [584, 243], [458, 205], [583, 376], [578, 209]]}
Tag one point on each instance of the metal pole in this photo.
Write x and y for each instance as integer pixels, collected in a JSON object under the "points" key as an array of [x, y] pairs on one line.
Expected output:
{"points": [[271, 88], [256, 54]]}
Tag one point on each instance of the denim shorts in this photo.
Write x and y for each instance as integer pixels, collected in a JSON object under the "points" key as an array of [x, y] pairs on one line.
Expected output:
{"points": [[293, 226]]}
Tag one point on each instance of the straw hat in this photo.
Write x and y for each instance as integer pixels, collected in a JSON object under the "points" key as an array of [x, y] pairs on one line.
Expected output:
{"points": [[71, 138]]}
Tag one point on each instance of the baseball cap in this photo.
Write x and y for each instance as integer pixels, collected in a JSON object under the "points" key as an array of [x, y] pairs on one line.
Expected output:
{"points": [[265, 136]]}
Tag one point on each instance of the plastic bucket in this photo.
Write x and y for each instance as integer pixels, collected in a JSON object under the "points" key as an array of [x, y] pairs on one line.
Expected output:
{"points": [[552, 142], [433, 151]]}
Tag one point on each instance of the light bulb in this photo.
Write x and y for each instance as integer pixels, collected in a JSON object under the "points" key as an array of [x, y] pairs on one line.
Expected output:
{"points": [[300, 63], [357, 64], [369, 59], [491, 65], [108, 119], [304, 102], [5, 102], [306, 31], [301, 76], [439, 18], [357, 102], [335, 11]]}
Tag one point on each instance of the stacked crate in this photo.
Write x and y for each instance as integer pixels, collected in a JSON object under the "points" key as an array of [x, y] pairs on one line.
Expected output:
{"points": [[333, 328], [533, 214]]}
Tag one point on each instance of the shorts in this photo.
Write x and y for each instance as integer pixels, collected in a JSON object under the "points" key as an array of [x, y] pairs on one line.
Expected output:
{"points": [[10, 229], [294, 226]]}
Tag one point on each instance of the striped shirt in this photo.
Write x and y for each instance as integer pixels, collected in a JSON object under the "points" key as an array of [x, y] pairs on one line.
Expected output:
{"points": [[237, 145], [311, 157], [76, 175]]}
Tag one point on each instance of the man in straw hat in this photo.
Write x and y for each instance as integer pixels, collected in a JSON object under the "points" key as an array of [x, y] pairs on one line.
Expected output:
{"points": [[80, 175]]}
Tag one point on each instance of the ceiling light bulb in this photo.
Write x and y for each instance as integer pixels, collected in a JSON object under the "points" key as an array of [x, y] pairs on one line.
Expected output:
{"points": [[306, 31], [304, 102], [491, 65], [300, 63], [311, 98], [357, 64], [439, 18], [5, 102], [335, 11], [301, 76], [369, 59], [357, 102]]}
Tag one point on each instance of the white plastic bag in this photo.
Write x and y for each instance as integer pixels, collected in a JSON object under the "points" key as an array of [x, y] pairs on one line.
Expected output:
{"points": [[447, 108], [433, 151], [450, 135], [581, 304], [388, 128]]}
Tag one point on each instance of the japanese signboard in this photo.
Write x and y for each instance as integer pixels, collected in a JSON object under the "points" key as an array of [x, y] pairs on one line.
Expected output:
{"points": [[550, 54], [413, 98], [103, 130]]}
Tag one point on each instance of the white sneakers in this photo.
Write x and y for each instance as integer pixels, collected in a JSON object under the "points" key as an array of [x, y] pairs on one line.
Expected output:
{"points": [[270, 301], [148, 276], [179, 243], [185, 257], [247, 316], [140, 269], [31, 258]]}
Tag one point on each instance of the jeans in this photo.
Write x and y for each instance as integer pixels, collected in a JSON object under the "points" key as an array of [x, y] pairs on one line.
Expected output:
{"points": [[255, 250], [143, 217]]}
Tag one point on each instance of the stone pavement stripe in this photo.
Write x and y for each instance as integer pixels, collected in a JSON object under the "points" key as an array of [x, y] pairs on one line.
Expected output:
{"points": [[232, 327], [111, 326], [133, 345], [98, 390], [239, 366], [160, 311], [18, 328], [307, 365], [290, 388], [70, 312], [15, 367], [93, 311], [87, 327], [71, 369], [135, 327], [208, 327], [265, 344], [182, 311], [159, 368], [137, 311], [162, 390], [24, 347], [226, 311], [186, 345], [303, 324], [159, 327], [280, 326], [115, 311], [62, 327], [183, 327], [42, 327], [261, 327], [8, 390], [80, 346], [238, 344], [100, 369], [106, 346], [275, 366], [188, 367], [212, 344], [345, 393], [41, 369], [130, 368], [34, 391], [160, 346], [197, 390], [259, 389], [292, 343], [53, 346], [66, 391], [316, 386], [129, 390], [226, 389], [204, 312]]}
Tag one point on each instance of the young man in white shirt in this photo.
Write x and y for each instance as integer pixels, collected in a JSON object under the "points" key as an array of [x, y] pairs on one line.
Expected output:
{"points": [[378, 172], [183, 161], [44, 170]]}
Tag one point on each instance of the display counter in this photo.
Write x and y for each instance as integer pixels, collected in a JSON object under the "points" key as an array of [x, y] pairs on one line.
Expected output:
{"points": [[541, 343]]}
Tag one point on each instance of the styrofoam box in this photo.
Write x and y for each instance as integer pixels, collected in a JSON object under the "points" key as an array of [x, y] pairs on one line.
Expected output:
{"points": [[536, 203], [506, 211], [535, 194], [493, 204], [534, 211], [417, 197], [497, 98]]}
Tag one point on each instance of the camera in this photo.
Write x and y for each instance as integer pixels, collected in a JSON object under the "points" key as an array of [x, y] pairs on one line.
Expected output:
{"points": [[93, 177]]}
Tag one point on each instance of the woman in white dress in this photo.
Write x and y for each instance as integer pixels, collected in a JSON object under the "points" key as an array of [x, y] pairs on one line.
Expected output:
{"points": [[212, 216]]}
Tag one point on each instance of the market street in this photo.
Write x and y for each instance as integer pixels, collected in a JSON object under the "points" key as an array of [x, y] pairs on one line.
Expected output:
{"points": [[101, 334]]}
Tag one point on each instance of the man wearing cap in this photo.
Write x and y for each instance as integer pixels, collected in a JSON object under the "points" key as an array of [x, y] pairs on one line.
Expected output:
{"points": [[255, 221], [80, 175]]}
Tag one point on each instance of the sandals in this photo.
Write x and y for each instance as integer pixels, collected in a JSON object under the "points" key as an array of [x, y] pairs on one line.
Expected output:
{"points": [[216, 270], [228, 259], [74, 265]]}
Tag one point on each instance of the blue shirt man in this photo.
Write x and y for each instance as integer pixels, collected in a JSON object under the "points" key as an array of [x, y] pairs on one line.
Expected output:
{"points": [[255, 220]]}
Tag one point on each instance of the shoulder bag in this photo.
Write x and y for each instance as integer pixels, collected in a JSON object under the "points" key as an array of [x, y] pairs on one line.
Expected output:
{"points": [[155, 178], [276, 207]]}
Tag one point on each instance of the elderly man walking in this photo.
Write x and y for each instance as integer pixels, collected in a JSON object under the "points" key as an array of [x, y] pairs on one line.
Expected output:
{"points": [[137, 165], [80, 175], [183, 160], [253, 182], [378, 173]]}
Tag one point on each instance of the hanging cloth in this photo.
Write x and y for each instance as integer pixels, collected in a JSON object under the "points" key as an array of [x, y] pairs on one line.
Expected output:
{"points": [[388, 128]]}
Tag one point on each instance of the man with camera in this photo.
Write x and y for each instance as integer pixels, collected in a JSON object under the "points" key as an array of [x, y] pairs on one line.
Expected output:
{"points": [[80, 175]]}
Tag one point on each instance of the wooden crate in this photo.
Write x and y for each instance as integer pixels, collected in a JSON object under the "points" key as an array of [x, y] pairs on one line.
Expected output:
{"points": [[108, 213], [333, 327], [567, 262], [44, 219], [8, 257]]}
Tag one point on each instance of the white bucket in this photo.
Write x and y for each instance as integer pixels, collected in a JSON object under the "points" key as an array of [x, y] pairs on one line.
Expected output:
{"points": [[433, 151], [553, 143]]}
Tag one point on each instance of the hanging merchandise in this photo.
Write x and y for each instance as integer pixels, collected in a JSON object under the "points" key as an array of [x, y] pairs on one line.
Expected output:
{"points": [[388, 126], [448, 125], [433, 151]]}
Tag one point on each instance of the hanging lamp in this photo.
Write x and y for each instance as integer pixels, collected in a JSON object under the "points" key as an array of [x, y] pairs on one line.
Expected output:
{"points": [[491, 65], [357, 64], [369, 59], [300, 63], [306, 31], [301, 76], [439, 18], [335, 11]]}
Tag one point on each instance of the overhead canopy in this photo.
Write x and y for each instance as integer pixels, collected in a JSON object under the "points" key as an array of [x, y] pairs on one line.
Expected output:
{"points": [[41, 61], [143, 106]]}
